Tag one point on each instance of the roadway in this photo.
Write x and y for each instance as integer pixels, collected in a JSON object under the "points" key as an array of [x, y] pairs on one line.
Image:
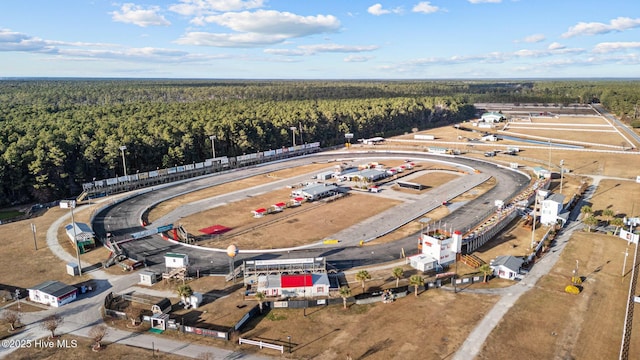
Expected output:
{"points": [[124, 218]]}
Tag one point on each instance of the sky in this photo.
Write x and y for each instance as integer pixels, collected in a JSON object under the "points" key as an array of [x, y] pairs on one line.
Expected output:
{"points": [[320, 39]]}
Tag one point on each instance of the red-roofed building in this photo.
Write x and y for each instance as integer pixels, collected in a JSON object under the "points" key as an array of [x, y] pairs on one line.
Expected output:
{"points": [[303, 285], [258, 213], [278, 207], [293, 281], [297, 201]]}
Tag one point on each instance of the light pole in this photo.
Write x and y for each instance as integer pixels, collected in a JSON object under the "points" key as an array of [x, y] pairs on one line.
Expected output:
{"points": [[33, 230], [124, 163], [533, 227], [561, 174], [549, 156], [71, 204], [213, 146], [289, 338], [293, 134]]}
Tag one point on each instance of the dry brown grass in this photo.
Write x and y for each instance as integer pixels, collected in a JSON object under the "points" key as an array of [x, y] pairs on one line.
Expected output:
{"points": [[548, 323], [292, 227], [82, 351]]}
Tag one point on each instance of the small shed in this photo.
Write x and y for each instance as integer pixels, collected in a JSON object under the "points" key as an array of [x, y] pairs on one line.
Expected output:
{"points": [[82, 234], [258, 213], [506, 267], [325, 175], [175, 260], [423, 262], [159, 321], [161, 307], [148, 277]]}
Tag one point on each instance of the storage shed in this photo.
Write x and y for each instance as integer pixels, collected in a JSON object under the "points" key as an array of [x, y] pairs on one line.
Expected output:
{"points": [[161, 307], [175, 260], [82, 234], [148, 277]]}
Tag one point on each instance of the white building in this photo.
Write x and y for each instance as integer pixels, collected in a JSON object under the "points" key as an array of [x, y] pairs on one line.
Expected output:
{"points": [[175, 260], [550, 209], [506, 267], [441, 246], [53, 293]]}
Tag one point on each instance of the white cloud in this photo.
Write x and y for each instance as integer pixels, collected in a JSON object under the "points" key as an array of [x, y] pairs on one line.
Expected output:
{"points": [[485, 1], [535, 38], [377, 10], [238, 40], [200, 7], [278, 23], [322, 48], [595, 28], [425, 7], [137, 15], [259, 28], [555, 46], [357, 58], [607, 47]]}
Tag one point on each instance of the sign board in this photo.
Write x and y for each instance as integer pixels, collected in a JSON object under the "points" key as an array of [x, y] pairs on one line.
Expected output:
{"points": [[165, 228], [144, 233], [67, 204], [348, 136], [629, 236]]}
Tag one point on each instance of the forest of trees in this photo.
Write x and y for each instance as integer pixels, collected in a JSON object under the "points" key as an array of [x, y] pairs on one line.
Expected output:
{"points": [[56, 134]]}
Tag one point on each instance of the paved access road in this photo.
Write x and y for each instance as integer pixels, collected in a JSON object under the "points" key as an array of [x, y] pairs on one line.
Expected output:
{"points": [[124, 217]]}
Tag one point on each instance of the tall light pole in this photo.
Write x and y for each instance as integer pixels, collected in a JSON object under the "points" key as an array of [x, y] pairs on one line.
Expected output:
{"points": [[213, 146], [561, 174], [293, 134], [549, 156], [533, 227], [124, 163], [71, 204]]}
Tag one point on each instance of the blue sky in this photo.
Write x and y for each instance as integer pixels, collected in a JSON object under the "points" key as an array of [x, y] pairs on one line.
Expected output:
{"points": [[320, 39]]}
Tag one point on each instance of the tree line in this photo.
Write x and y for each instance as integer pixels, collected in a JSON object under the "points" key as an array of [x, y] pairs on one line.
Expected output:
{"points": [[56, 134]]}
